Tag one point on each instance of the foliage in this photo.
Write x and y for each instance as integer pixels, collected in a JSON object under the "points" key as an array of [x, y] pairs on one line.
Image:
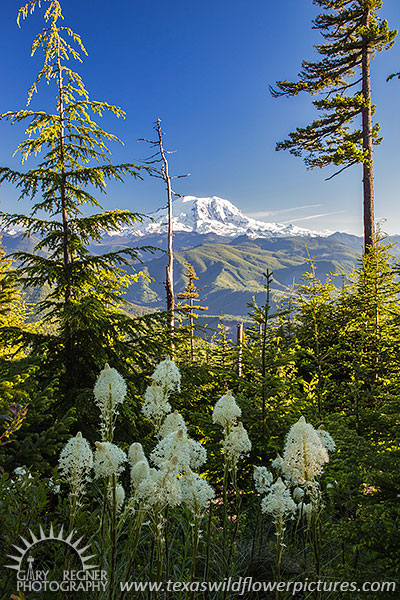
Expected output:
{"points": [[85, 291], [331, 355], [347, 33], [353, 33], [84, 318], [191, 295]]}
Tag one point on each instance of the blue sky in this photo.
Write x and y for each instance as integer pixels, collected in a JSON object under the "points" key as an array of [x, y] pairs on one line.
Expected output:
{"points": [[204, 69]]}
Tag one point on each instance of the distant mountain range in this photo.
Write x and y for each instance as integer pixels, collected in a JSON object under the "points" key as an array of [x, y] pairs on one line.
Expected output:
{"points": [[212, 216], [229, 252]]}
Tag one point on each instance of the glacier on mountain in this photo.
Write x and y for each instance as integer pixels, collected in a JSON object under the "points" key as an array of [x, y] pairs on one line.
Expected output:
{"points": [[213, 215]]}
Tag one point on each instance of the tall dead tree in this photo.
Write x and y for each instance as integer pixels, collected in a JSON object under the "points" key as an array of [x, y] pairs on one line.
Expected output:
{"points": [[239, 343], [160, 157]]}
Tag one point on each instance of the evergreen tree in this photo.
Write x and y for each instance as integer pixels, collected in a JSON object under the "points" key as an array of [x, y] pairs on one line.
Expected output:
{"points": [[13, 311], [354, 34], [223, 349], [261, 316], [25, 402], [84, 302], [191, 294], [315, 308], [13, 315]]}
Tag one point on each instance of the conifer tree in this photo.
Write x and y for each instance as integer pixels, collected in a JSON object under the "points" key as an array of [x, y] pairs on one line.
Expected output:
{"points": [[224, 344], [25, 402], [261, 316], [13, 311], [13, 314], [259, 333], [353, 34], [85, 290], [315, 301], [191, 294]]}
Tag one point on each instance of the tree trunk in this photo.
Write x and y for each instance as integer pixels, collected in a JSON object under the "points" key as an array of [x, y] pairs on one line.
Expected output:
{"points": [[71, 357], [169, 283], [64, 214], [191, 329], [239, 342], [264, 343], [368, 176], [263, 362]]}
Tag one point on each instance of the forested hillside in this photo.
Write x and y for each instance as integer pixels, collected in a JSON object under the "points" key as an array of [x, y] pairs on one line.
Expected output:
{"points": [[228, 267]]}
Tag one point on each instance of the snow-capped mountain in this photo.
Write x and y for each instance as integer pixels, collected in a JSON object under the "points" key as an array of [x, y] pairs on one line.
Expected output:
{"points": [[214, 215]]}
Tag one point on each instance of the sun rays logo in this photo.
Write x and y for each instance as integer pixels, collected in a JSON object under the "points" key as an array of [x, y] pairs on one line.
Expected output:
{"points": [[87, 578]]}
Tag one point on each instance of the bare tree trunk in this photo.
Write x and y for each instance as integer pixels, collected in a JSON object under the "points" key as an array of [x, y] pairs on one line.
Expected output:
{"points": [[368, 176], [264, 345], [169, 282], [240, 348], [191, 325]]}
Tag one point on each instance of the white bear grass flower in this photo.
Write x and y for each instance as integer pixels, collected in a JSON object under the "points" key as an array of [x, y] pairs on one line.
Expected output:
{"points": [[156, 404], [109, 460], [226, 411], [198, 454], [326, 439], [278, 502], [76, 462], [277, 463], [119, 496], [161, 488], [175, 454], [165, 380], [262, 479], [176, 444], [136, 454], [196, 493], [168, 376], [304, 454], [110, 388], [236, 445], [172, 422], [139, 472], [109, 391]]}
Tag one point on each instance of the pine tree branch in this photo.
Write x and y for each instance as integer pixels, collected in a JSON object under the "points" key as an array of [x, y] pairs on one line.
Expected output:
{"points": [[341, 170]]}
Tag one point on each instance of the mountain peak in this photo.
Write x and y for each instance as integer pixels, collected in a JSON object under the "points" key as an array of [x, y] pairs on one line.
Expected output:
{"points": [[215, 215]]}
